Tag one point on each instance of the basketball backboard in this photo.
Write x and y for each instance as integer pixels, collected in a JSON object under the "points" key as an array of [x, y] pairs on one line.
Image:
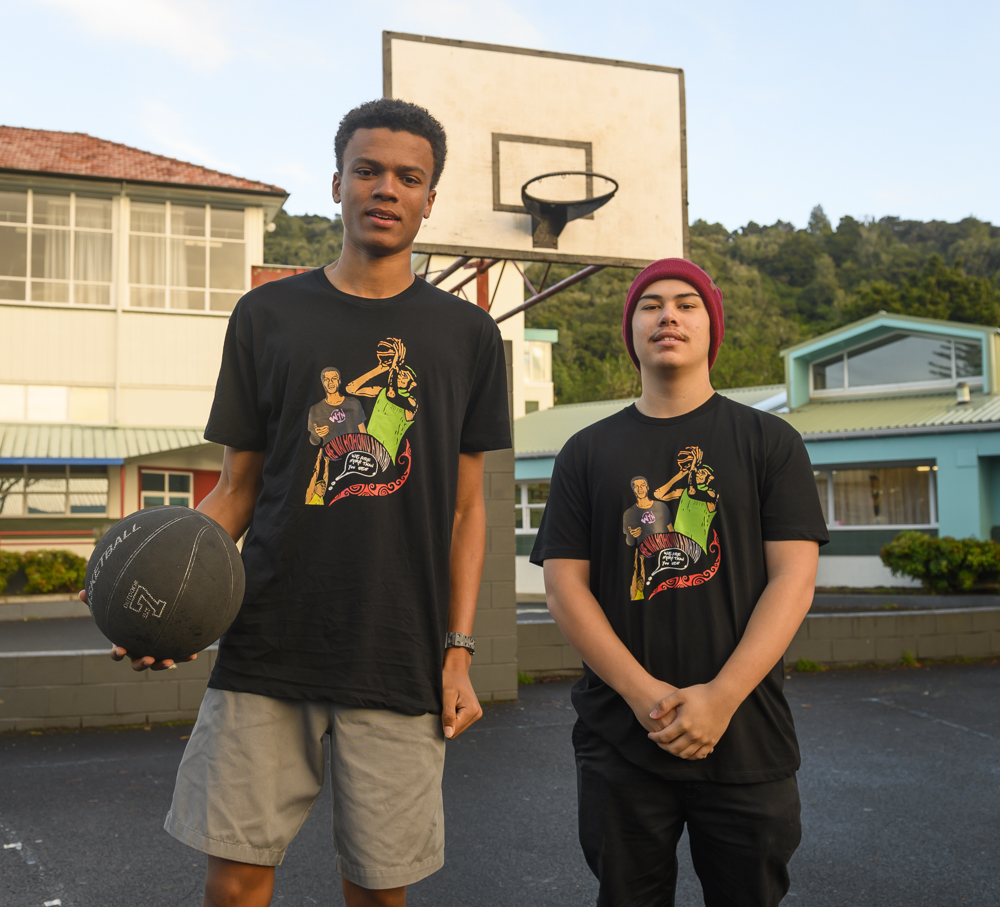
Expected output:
{"points": [[513, 115]]}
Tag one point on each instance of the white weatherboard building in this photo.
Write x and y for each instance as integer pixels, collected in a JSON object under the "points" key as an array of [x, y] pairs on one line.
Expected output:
{"points": [[118, 271]]}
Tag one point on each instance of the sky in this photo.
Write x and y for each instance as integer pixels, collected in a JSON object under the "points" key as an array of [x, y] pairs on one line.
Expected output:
{"points": [[868, 108]]}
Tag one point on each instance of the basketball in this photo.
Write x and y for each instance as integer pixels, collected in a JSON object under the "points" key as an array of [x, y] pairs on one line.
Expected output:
{"points": [[166, 582]]}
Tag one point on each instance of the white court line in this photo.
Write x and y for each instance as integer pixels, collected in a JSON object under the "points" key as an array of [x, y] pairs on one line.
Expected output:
{"points": [[958, 727]]}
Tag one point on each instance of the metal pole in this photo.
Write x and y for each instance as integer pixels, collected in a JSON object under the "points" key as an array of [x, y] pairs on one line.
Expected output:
{"points": [[551, 291], [480, 268], [451, 269]]}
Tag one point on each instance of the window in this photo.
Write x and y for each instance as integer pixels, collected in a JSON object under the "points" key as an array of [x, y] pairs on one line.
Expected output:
{"points": [[900, 361], [55, 248], [529, 502], [185, 257], [537, 360], [879, 496], [53, 490], [171, 488]]}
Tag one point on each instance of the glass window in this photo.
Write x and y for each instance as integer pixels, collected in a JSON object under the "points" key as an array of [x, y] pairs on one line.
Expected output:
{"points": [[227, 265], [828, 374], [877, 496], [65, 264], [93, 213], [50, 254], [172, 265], [51, 209], [13, 251], [171, 488], [968, 359], [147, 218], [901, 359], [92, 257], [227, 224], [187, 265], [13, 207], [185, 221], [53, 490], [529, 504]]}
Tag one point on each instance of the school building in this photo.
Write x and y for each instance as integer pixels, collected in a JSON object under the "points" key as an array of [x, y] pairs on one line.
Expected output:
{"points": [[901, 418], [118, 271]]}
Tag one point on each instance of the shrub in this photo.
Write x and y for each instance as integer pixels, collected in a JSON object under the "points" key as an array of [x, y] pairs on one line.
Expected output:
{"points": [[46, 571], [943, 564], [10, 563]]}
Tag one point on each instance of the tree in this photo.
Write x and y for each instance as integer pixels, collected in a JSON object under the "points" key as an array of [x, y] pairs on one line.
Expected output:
{"points": [[305, 240]]}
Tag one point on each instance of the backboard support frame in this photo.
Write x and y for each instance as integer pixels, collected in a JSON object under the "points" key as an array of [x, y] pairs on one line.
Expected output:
{"points": [[548, 256]]}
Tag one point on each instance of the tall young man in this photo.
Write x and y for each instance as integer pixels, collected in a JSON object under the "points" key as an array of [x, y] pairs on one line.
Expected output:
{"points": [[363, 558], [683, 618]]}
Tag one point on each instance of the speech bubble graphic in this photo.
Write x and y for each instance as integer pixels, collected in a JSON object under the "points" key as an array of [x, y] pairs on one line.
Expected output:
{"points": [[671, 559], [357, 462]]}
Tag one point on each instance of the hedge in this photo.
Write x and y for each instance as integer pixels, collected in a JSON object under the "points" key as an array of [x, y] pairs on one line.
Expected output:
{"points": [[943, 564], [46, 571]]}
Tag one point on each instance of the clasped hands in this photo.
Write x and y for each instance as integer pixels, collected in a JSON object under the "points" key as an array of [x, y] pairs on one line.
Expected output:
{"points": [[686, 722]]}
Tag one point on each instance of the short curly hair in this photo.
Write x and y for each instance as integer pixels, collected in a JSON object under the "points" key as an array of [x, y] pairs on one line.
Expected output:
{"points": [[398, 116]]}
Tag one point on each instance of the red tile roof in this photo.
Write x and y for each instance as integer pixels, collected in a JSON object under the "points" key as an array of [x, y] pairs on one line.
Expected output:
{"points": [[79, 154]]}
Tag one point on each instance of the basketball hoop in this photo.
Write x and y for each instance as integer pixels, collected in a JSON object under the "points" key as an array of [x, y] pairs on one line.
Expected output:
{"points": [[549, 217]]}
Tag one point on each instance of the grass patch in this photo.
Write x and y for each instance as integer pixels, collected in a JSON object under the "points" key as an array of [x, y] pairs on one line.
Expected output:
{"points": [[909, 659], [807, 664], [523, 678]]}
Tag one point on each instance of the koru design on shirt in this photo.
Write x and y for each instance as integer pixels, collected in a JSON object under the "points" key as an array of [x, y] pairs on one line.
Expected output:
{"points": [[679, 549], [353, 445]]}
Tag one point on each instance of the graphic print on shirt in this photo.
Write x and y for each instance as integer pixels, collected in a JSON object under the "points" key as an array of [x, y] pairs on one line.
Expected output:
{"points": [[366, 448], [673, 550]]}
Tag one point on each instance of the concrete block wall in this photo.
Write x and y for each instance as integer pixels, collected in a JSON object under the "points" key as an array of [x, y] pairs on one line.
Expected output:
{"points": [[883, 637], [88, 689], [829, 639], [494, 667], [542, 651]]}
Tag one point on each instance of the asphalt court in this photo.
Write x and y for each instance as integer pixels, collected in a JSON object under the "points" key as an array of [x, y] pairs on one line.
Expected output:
{"points": [[900, 786]]}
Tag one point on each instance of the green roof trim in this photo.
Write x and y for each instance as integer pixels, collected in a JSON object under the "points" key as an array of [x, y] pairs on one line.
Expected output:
{"points": [[545, 335], [62, 443]]}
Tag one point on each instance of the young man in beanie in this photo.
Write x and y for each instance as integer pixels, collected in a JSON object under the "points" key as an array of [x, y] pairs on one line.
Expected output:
{"points": [[366, 533], [682, 610]]}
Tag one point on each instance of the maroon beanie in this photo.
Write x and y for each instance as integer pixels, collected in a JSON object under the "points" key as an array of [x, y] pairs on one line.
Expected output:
{"points": [[689, 272]]}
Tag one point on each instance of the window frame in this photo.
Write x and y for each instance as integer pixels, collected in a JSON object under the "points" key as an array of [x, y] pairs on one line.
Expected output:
{"points": [[930, 467], [167, 236], [71, 229], [521, 504], [66, 512], [868, 389], [166, 494]]}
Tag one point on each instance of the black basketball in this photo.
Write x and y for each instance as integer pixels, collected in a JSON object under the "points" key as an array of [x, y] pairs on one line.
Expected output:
{"points": [[166, 582]]}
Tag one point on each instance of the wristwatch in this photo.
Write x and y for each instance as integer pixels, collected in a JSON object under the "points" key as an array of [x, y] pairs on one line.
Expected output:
{"points": [[460, 641]]}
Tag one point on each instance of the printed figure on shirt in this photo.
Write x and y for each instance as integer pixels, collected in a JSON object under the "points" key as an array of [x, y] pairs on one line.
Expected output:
{"points": [[393, 384], [675, 548], [359, 448], [644, 518]]}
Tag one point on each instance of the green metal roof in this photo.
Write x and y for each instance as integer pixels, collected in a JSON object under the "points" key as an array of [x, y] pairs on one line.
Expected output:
{"points": [[546, 335], [543, 433], [899, 414], [61, 443]]}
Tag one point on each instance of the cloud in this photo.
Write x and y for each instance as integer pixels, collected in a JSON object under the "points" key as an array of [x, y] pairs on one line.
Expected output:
{"points": [[193, 31]]}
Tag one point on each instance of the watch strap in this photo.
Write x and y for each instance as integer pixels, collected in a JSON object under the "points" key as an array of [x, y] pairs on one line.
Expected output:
{"points": [[460, 641]]}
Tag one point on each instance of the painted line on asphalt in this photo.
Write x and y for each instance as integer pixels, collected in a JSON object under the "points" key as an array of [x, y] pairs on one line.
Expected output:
{"points": [[518, 727], [900, 708]]}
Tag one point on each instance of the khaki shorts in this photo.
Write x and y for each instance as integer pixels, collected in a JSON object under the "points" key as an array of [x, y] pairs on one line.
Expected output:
{"points": [[254, 767]]}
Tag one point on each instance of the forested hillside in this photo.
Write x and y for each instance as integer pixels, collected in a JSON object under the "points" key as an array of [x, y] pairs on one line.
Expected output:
{"points": [[781, 285]]}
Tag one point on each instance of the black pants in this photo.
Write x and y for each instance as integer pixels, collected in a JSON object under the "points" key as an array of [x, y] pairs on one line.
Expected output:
{"points": [[742, 835]]}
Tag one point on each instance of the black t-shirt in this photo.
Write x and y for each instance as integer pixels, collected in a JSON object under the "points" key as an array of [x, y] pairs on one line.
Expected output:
{"points": [[679, 597], [347, 557]]}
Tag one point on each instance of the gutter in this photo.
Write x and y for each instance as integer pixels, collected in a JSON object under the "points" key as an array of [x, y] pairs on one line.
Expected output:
{"points": [[960, 428]]}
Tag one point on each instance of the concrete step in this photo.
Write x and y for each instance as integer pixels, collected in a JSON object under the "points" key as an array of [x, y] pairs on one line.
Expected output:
{"points": [[32, 607]]}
